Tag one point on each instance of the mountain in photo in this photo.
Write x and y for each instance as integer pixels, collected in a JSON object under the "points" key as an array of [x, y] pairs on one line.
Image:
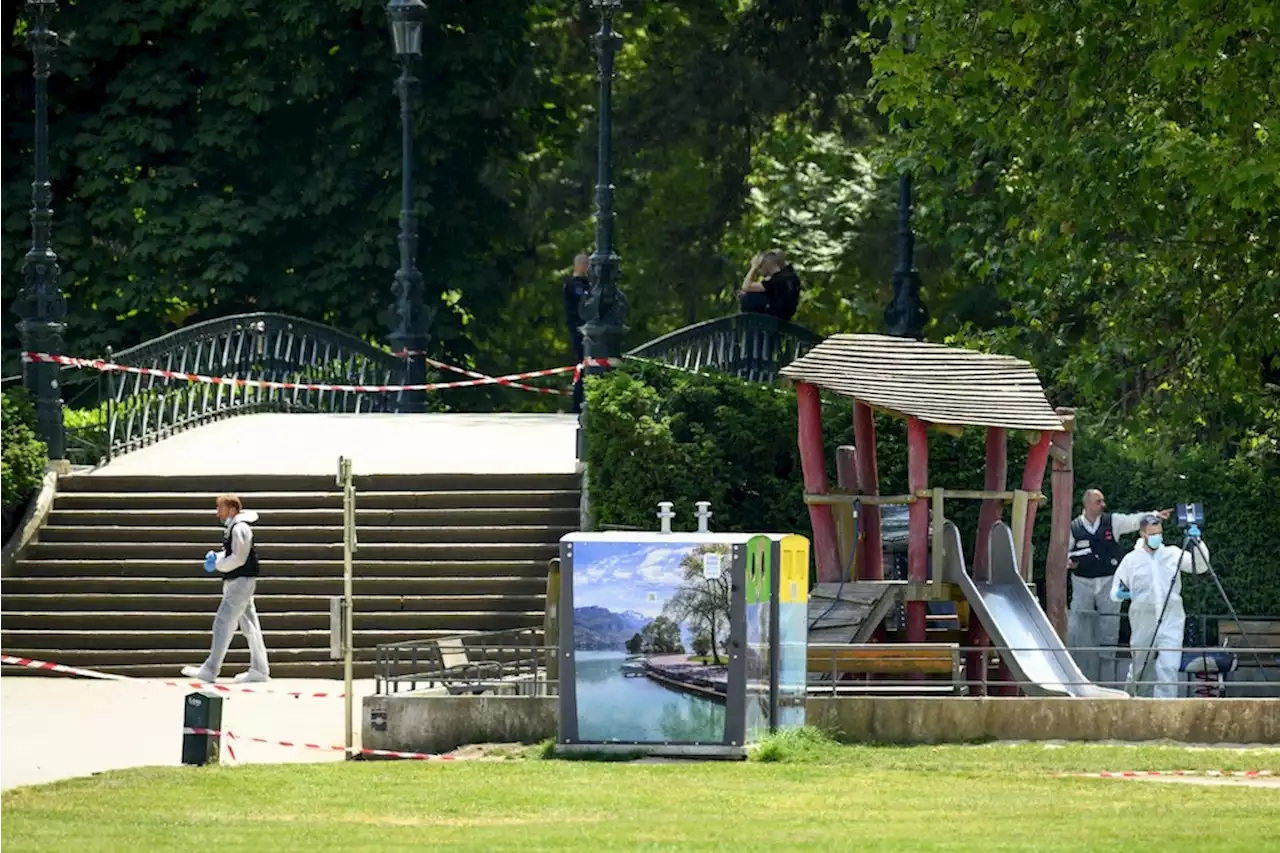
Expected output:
{"points": [[602, 628]]}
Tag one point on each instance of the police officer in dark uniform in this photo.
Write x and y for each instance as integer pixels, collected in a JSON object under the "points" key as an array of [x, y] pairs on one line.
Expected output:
{"points": [[576, 287], [1095, 553]]}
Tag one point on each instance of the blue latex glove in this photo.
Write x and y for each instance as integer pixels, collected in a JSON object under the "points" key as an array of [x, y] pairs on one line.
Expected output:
{"points": [[1123, 593], [210, 561]]}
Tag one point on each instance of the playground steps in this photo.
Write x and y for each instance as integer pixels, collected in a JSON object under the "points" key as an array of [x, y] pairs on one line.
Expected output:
{"points": [[115, 581]]}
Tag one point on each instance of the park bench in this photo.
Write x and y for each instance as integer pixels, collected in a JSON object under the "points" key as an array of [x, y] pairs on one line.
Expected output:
{"points": [[466, 663], [827, 663], [1260, 634]]}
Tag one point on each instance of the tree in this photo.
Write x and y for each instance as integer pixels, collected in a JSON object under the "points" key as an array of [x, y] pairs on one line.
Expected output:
{"points": [[662, 637], [1110, 168], [635, 645], [701, 644], [701, 600]]}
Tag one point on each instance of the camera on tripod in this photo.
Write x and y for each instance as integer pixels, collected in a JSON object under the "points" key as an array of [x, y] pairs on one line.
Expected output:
{"points": [[1190, 515]]}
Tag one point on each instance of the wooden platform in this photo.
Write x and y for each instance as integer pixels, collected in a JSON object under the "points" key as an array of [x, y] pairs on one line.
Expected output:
{"points": [[854, 616]]}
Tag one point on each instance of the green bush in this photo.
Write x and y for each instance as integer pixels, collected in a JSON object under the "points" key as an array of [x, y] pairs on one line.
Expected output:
{"points": [[657, 434], [23, 457]]}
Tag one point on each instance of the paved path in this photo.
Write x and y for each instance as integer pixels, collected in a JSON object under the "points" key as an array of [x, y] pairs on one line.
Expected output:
{"points": [[58, 728], [377, 444]]}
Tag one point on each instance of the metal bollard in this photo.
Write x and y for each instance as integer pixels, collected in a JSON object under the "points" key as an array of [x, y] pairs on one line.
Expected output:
{"points": [[202, 711], [665, 515], [704, 516]]}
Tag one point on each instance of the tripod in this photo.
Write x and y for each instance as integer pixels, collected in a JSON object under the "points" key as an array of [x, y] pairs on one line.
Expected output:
{"points": [[1188, 544]]}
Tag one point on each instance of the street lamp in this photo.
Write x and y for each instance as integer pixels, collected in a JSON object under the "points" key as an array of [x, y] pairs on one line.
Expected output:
{"points": [[40, 305], [604, 309], [906, 315], [410, 317]]}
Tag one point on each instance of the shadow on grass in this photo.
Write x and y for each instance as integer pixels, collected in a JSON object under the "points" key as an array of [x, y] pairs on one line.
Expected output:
{"points": [[546, 750]]}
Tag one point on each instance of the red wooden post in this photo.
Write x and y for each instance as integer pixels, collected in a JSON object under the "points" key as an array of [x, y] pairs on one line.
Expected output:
{"points": [[1032, 480], [1063, 484], [992, 511], [871, 560], [813, 462], [917, 524]]}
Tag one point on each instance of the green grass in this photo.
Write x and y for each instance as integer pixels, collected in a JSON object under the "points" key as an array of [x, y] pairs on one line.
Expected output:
{"points": [[811, 795]]}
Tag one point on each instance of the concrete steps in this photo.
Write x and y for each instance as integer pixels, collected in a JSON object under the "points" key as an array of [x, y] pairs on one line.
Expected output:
{"points": [[115, 580]]}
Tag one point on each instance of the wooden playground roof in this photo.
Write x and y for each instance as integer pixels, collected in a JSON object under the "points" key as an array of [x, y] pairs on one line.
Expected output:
{"points": [[943, 385]]}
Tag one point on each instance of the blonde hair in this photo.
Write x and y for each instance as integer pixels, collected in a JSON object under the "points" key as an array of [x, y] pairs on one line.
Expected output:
{"points": [[231, 501]]}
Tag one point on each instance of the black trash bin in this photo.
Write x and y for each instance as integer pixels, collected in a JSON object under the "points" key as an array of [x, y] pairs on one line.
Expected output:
{"points": [[201, 716]]}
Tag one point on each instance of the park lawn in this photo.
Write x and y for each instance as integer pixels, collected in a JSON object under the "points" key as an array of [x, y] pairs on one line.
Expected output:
{"points": [[979, 798]]}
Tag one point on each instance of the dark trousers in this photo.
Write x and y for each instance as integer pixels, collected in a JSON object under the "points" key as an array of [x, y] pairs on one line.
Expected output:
{"points": [[575, 339]]}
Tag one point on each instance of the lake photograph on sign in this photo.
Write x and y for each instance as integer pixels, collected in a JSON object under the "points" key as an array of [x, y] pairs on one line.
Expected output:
{"points": [[650, 640]]}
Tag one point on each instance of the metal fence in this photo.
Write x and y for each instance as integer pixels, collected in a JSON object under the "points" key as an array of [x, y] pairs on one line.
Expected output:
{"points": [[513, 662], [960, 670]]}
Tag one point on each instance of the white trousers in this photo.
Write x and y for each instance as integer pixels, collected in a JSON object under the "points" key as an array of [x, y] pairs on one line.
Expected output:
{"points": [[1093, 620], [237, 610]]}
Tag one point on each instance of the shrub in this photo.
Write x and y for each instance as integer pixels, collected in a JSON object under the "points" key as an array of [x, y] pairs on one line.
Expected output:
{"points": [[23, 457], [657, 434]]}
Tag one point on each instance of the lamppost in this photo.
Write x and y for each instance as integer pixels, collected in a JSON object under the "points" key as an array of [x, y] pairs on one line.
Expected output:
{"points": [[40, 304], [410, 317], [906, 315], [604, 310]]}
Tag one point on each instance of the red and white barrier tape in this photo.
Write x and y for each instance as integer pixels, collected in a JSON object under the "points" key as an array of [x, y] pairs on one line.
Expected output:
{"points": [[537, 389], [57, 667], [1141, 774], [48, 666], [381, 753], [107, 366], [594, 362], [222, 688]]}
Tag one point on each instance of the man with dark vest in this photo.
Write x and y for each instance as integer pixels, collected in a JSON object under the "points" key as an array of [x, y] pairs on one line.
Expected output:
{"points": [[238, 565], [1095, 554]]}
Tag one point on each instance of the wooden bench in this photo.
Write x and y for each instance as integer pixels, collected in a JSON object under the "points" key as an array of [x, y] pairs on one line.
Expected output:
{"points": [[831, 661], [1262, 635]]}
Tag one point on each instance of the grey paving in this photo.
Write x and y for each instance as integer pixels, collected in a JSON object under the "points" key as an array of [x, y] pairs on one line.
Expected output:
{"points": [[377, 444]]}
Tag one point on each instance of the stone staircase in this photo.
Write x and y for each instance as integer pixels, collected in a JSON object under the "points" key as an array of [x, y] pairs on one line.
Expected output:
{"points": [[115, 581]]}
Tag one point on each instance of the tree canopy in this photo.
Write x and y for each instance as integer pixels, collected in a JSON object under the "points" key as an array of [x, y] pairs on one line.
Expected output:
{"points": [[1112, 169], [1098, 182]]}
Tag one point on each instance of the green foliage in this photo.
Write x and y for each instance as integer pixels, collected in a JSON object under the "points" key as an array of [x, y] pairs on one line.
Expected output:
{"points": [[793, 746], [662, 637], [658, 434], [1110, 168], [22, 456]]}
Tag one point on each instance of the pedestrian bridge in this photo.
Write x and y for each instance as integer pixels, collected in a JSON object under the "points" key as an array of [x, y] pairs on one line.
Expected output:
{"points": [[224, 396]]}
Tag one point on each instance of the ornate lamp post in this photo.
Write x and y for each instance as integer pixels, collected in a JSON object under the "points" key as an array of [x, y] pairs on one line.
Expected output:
{"points": [[410, 317], [40, 304], [906, 315], [604, 310]]}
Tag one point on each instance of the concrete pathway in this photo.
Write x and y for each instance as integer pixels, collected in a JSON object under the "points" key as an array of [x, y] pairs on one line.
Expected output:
{"points": [[58, 728], [377, 444]]}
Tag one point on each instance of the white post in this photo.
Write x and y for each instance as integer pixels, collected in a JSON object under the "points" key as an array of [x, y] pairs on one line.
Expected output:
{"points": [[704, 516], [348, 551], [665, 515]]}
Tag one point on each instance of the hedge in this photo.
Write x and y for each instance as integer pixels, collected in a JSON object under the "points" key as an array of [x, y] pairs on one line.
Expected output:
{"points": [[22, 457], [657, 434]]}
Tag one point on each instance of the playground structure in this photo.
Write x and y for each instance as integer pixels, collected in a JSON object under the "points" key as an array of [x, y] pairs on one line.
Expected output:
{"points": [[948, 389]]}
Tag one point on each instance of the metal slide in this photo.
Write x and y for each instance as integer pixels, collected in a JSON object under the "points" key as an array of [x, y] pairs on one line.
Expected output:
{"points": [[1015, 622]]}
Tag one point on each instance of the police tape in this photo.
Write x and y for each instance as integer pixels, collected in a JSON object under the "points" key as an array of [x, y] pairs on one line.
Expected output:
{"points": [[1143, 774], [48, 666], [594, 362], [509, 380], [318, 747]]}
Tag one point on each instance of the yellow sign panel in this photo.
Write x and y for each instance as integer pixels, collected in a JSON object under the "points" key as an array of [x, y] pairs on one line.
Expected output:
{"points": [[793, 581]]}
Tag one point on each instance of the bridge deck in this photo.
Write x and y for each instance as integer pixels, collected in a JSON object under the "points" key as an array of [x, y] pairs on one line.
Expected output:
{"points": [[377, 444]]}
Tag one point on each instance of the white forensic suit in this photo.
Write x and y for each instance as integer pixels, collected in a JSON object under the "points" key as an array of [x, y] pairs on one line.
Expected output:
{"points": [[1148, 576], [1093, 621]]}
